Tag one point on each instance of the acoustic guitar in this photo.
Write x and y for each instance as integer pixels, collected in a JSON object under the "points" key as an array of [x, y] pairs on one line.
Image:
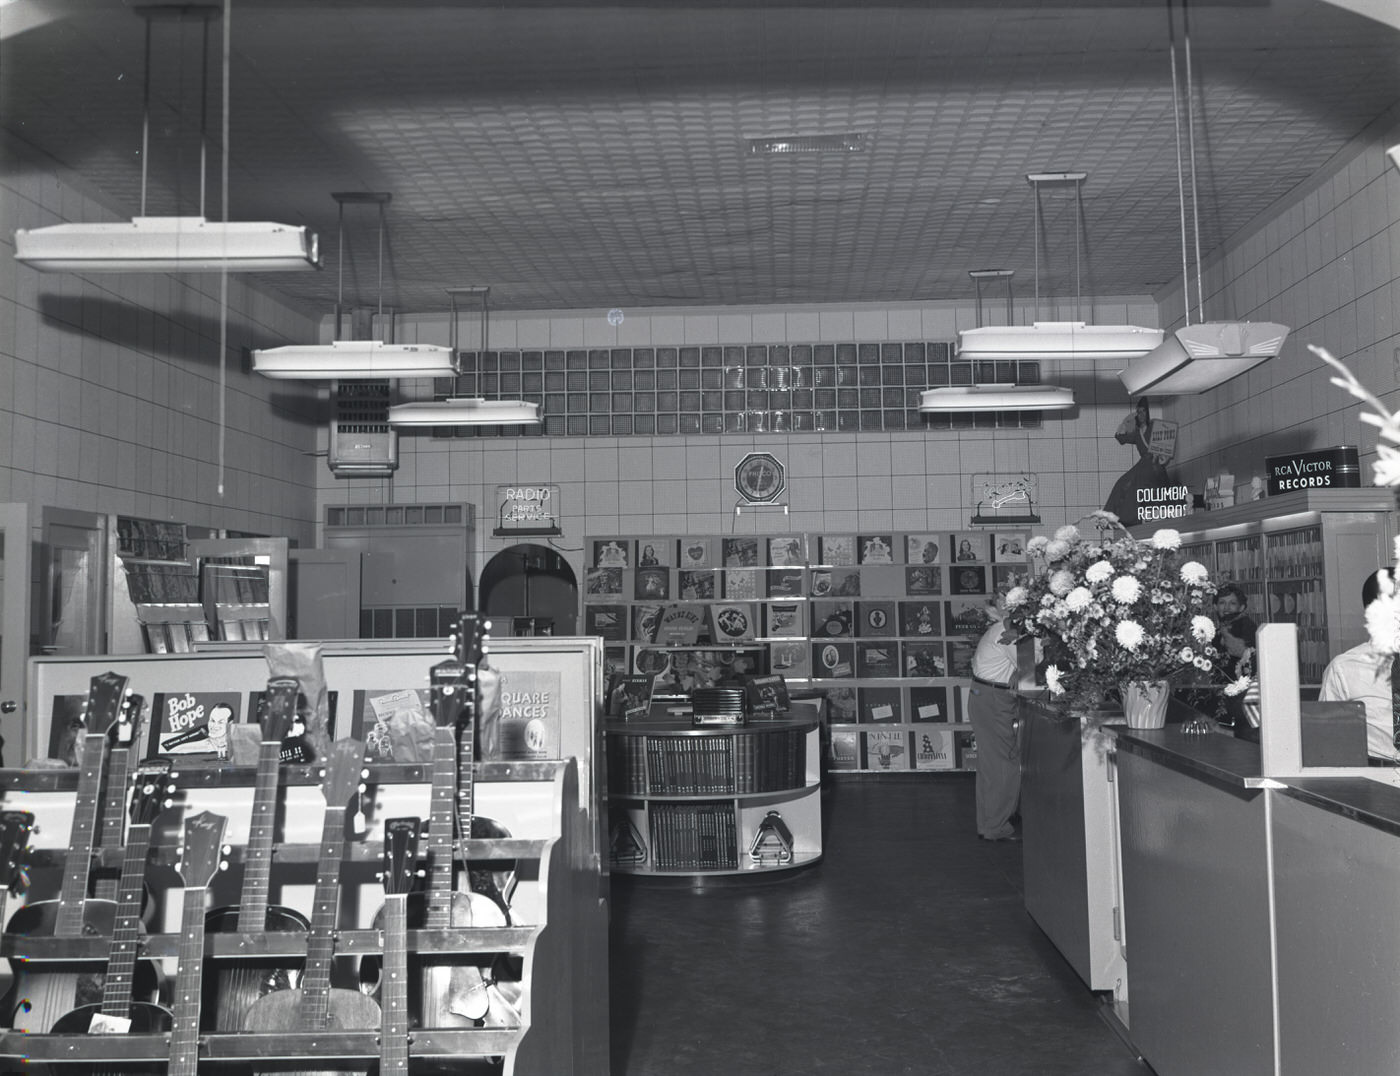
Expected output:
{"points": [[118, 1013], [231, 993], [45, 990], [314, 1005], [201, 858], [400, 868], [121, 734]]}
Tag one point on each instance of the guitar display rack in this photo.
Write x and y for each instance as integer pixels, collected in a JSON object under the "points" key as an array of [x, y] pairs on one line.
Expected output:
{"points": [[559, 1007]]}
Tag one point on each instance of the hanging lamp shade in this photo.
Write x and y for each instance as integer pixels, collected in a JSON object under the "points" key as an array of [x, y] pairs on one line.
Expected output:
{"points": [[996, 397], [167, 245], [1199, 357], [349, 360], [1051, 340], [465, 411]]}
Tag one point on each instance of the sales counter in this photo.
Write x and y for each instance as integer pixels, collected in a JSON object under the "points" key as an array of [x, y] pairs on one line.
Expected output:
{"points": [[1239, 924]]}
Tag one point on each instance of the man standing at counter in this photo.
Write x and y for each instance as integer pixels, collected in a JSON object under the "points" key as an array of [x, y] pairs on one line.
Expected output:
{"points": [[1365, 674], [993, 709]]}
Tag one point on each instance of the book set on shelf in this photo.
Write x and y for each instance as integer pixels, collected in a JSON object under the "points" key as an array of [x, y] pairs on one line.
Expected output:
{"points": [[464, 961], [882, 624]]}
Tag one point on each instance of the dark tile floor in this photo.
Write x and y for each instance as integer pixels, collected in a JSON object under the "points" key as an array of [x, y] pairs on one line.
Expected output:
{"points": [[906, 950]]}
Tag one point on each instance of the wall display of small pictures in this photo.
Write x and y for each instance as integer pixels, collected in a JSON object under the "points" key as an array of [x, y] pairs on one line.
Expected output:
{"points": [[192, 722], [967, 750], [876, 548], [967, 579], [880, 705], [843, 751], [740, 583], [876, 619], [685, 670], [935, 749], [607, 621], [929, 704], [960, 653], [969, 547], [1009, 547], [878, 659], [1006, 576], [653, 553], [791, 658], [921, 618], [730, 623], [615, 661], [645, 621], [695, 585], [609, 553], [603, 581], [785, 619], [786, 582], [923, 549], [841, 704], [652, 583], [833, 660], [695, 553], [923, 658], [740, 552], [831, 619], [968, 616], [835, 583], [923, 580], [681, 625], [394, 726], [886, 749], [785, 551], [838, 550]]}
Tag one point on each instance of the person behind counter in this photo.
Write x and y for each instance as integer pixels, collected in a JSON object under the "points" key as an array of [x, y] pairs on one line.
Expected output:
{"points": [[994, 710], [1363, 673], [1236, 630]]}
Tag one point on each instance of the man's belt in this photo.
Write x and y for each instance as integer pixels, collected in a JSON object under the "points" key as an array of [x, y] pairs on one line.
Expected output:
{"points": [[991, 683]]}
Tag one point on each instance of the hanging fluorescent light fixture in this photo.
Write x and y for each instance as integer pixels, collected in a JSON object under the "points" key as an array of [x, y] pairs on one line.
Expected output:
{"points": [[1201, 356], [348, 360], [1198, 357], [1051, 340], [168, 244], [465, 411], [995, 397]]}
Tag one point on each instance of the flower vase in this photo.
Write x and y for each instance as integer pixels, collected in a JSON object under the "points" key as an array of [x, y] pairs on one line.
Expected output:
{"points": [[1145, 703]]}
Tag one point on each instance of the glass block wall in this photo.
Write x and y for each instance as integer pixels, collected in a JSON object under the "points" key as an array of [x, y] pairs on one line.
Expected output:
{"points": [[735, 388]]}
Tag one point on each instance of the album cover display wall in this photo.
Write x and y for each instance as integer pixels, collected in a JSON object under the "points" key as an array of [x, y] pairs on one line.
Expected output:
{"points": [[885, 624]]}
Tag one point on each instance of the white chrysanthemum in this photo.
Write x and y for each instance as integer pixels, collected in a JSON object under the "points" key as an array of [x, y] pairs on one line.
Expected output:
{"points": [[1052, 680], [1202, 629], [1386, 470], [1186, 653], [1061, 582], [1104, 515], [1383, 622], [1240, 686], [1166, 538], [1037, 544], [1057, 549], [1203, 663], [1126, 590], [1016, 596], [1194, 572], [1099, 571], [1129, 634], [1068, 533], [1078, 599]]}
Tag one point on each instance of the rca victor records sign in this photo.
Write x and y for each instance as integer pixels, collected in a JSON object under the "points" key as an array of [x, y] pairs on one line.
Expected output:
{"points": [[1328, 468]]}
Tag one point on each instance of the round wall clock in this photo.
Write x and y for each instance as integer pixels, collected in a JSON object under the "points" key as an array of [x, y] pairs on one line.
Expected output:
{"points": [[759, 478]]}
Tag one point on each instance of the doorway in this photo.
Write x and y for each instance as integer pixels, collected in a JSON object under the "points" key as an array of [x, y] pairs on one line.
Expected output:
{"points": [[529, 590]]}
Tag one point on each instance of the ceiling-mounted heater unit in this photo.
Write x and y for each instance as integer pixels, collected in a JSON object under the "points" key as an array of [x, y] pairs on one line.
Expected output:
{"points": [[362, 443]]}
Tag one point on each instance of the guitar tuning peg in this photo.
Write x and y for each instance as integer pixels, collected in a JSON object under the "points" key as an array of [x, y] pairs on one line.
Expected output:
{"points": [[365, 774], [223, 864], [174, 774], [227, 849], [167, 803], [486, 625]]}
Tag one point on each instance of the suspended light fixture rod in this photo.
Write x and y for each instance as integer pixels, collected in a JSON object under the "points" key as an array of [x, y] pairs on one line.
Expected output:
{"points": [[1036, 179], [344, 198]]}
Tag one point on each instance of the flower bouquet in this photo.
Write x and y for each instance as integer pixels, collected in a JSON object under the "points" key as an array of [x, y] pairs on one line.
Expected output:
{"points": [[1114, 614]]}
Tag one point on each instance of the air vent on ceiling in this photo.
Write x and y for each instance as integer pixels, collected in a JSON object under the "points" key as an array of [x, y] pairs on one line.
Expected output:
{"points": [[362, 443], [835, 143]]}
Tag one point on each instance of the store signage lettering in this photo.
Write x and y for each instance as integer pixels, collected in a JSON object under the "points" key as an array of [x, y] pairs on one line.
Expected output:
{"points": [[523, 507], [1162, 502], [1326, 469]]}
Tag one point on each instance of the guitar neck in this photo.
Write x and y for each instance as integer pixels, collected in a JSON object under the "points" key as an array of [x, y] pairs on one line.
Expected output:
{"points": [[106, 887], [126, 927], [438, 910], [320, 943], [257, 861], [466, 776], [77, 864], [393, 1000], [184, 1031]]}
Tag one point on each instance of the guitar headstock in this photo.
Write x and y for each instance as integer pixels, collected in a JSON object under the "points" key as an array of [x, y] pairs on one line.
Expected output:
{"points": [[104, 701], [469, 639], [201, 853], [122, 731], [452, 680], [15, 828], [278, 710], [151, 791], [345, 767], [400, 853]]}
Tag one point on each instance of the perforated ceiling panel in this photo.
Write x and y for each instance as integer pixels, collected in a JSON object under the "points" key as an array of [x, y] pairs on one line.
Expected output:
{"points": [[573, 156]]}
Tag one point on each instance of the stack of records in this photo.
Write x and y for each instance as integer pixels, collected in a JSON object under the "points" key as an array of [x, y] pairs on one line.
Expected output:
{"points": [[719, 705]]}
